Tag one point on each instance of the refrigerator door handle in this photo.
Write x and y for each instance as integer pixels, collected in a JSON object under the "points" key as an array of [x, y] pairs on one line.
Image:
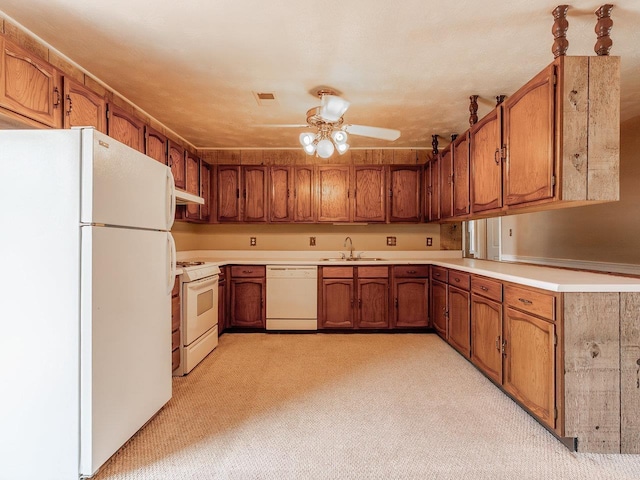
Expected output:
{"points": [[171, 199], [172, 262]]}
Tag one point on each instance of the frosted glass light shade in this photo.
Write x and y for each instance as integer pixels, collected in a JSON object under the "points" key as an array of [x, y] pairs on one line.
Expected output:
{"points": [[309, 149], [342, 148], [325, 148], [332, 107], [306, 138], [339, 137]]}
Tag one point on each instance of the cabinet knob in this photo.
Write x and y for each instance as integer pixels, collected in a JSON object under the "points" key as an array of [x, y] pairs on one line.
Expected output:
{"points": [[483, 288], [412, 272], [456, 279], [247, 271]]}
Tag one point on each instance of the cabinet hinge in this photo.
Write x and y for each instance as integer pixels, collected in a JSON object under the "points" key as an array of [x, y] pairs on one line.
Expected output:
{"points": [[553, 180], [555, 79], [555, 413], [503, 152], [555, 339]]}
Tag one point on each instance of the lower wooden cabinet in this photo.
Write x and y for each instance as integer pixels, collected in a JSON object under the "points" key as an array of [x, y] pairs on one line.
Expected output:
{"points": [[459, 320], [373, 297], [338, 295], [486, 336], [222, 300], [247, 297], [439, 307], [410, 296]]}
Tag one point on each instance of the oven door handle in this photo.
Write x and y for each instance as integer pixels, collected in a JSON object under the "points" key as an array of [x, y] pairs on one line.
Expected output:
{"points": [[203, 284]]}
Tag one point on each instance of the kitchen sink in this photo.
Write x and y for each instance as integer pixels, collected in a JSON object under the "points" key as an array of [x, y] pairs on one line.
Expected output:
{"points": [[354, 259]]}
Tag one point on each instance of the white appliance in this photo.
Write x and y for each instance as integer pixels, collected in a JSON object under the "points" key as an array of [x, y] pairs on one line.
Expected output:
{"points": [[292, 297], [199, 315], [86, 302]]}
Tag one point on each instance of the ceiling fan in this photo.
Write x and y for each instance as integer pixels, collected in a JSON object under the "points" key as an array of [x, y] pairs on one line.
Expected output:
{"points": [[331, 131]]}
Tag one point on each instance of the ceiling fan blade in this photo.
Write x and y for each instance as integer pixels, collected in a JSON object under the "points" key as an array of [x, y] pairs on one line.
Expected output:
{"points": [[280, 125], [372, 132], [332, 108]]}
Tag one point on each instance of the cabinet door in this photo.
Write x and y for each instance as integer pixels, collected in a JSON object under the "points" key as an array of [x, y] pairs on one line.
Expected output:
{"points": [[411, 304], [426, 180], [156, 145], [486, 336], [405, 185], [486, 163], [177, 164], [83, 107], [446, 184], [459, 320], [529, 367], [304, 194], [29, 86], [529, 129], [369, 203], [125, 128], [338, 297], [373, 303], [333, 190], [192, 183], [439, 307], [205, 191], [461, 176], [434, 189], [254, 194], [247, 302], [228, 193], [281, 201]]}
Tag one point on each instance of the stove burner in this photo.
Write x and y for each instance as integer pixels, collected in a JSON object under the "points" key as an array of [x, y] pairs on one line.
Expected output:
{"points": [[188, 264]]}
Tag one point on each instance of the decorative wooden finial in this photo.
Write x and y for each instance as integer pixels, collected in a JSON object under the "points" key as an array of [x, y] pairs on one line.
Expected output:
{"points": [[434, 144], [500, 99], [453, 137], [473, 110], [603, 29], [559, 30]]}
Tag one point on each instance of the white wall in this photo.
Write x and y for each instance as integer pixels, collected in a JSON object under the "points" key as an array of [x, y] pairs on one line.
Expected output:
{"points": [[593, 236]]}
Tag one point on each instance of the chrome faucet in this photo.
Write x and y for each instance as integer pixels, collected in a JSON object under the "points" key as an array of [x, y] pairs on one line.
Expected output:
{"points": [[350, 247]]}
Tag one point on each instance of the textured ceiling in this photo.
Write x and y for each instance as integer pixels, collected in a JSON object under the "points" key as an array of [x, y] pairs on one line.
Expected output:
{"points": [[409, 65]]}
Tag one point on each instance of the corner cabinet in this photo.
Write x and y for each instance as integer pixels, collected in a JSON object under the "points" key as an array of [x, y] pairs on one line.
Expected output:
{"points": [[29, 87], [247, 296]]}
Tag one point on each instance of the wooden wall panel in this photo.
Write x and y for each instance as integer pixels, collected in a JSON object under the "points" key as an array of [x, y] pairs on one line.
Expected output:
{"points": [[630, 372], [592, 363]]}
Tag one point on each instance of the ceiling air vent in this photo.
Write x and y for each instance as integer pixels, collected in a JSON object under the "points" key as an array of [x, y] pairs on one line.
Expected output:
{"points": [[265, 99]]}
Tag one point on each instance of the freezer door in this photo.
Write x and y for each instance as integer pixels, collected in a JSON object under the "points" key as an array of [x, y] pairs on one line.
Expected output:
{"points": [[125, 332], [123, 187]]}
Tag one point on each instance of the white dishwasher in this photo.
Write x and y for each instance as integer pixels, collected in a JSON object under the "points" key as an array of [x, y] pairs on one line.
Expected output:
{"points": [[292, 297]]}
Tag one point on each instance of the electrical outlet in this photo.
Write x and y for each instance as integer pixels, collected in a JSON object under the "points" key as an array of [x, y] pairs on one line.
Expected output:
{"points": [[429, 241], [510, 233], [391, 241], [312, 241], [252, 241]]}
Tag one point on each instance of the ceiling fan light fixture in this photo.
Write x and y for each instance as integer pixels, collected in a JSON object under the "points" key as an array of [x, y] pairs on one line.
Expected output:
{"points": [[325, 148], [310, 149], [339, 137], [332, 107]]}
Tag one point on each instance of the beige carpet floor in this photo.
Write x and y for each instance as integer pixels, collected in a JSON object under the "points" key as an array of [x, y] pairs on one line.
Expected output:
{"points": [[353, 406]]}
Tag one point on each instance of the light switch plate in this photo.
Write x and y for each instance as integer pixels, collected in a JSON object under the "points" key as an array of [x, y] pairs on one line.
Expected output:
{"points": [[391, 241], [312, 241], [429, 242]]}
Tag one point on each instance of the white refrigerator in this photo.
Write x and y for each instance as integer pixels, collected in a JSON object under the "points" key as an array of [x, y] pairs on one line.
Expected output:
{"points": [[85, 342]]}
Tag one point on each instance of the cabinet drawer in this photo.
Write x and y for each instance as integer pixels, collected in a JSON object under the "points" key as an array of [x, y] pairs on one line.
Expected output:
{"points": [[439, 273], [487, 288], [337, 272], [175, 313], [411, 271], [175, 339], [248, 271], [373, 272], [460, 279], [536, 302]]}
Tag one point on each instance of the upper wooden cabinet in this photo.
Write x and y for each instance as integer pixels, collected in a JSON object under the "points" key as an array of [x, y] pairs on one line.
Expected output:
{"points": [[29, 87], [205, 191], [192, 181], [485, 139], [528, 138], [177, 163], [334, 192], [155, 145], [461, 179], [281, 200], [242, 193], [446, 183], [125, 127], [433, 189], [405, 187], [304, 194], [369, 199], [83, 107]]}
